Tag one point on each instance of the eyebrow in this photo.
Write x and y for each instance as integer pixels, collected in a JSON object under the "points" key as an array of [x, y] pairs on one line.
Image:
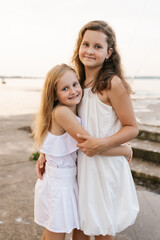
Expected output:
{"points": [[67, 85], [97, 43]]}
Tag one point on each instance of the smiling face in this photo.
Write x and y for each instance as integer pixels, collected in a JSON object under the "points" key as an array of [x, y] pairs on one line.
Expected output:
{"points": [[93, 49], [68, 90]]}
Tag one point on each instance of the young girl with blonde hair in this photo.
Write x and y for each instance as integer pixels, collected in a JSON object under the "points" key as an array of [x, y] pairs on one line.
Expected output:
{"points": [[55, 135]]}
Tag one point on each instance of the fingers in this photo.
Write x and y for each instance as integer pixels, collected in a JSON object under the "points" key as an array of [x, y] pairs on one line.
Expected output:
{"points": [[83, 149], [86, 152], [40, 169], [80, 145], [130, 156], [38, 172], [40, 165], [41, 162]]}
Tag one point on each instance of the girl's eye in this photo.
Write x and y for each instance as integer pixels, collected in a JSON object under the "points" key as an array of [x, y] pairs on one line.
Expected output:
{"points": [[85, 44], [98, 46], [75, 84], [64, 89]]}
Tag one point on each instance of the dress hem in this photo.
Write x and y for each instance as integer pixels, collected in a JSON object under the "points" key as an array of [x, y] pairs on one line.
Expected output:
{"points": [[111, 233], [54, 230]]}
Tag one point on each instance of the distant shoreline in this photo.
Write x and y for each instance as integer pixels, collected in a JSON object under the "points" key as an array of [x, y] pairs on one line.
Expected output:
{"points": [[30, 77], [23, 77], [144, 77]]}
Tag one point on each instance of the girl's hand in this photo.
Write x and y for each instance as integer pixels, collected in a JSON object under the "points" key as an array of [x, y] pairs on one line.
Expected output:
{"points": [[40, 166], [90, 146], [129, 153]]}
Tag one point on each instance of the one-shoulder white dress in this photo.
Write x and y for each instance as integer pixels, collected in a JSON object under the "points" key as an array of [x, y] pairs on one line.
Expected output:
{"points": [[55, 202], [107, 197]]}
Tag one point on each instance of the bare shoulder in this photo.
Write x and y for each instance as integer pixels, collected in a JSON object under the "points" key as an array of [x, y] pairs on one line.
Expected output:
{"points": [[66, 120], [62, 112], [117, 88], [116, 82], [61, 109]]}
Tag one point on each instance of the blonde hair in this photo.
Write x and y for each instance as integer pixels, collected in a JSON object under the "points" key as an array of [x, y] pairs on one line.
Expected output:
{"points": [[48, 103], [111, 66]]}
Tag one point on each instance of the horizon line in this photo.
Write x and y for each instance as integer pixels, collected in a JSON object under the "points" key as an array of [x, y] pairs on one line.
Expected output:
{"points": [[40, 77]]}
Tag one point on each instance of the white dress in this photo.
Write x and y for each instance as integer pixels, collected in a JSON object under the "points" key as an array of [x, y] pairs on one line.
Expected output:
{"points": [[107, 197], [55, 202]]}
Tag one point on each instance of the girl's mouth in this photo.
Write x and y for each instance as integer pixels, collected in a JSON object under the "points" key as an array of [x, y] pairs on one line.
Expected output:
{"points": [[73, 97], [88, 57]]}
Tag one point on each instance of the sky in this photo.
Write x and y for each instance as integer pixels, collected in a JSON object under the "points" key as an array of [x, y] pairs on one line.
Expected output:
{"points": [[35, 35]]}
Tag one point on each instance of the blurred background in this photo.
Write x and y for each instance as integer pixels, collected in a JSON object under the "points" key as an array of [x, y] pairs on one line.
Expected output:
{"points": [[35, 35]]}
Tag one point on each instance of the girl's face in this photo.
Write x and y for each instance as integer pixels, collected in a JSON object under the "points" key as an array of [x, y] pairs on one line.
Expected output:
{"points": [[69, 91], [93, 49]]}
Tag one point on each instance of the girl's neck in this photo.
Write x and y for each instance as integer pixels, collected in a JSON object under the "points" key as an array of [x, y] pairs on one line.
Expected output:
{"points": [[91, 74]]}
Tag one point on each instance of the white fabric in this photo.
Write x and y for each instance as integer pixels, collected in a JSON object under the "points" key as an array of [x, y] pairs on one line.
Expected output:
{"points": [[55, 202], [107, 197], [60, 150], [67, 161], [58, 146]]}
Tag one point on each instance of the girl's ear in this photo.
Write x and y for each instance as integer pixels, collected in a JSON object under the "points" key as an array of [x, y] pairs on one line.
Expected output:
{"points": [[55, 101], [55, 98], [55, 95], [110, 51]]}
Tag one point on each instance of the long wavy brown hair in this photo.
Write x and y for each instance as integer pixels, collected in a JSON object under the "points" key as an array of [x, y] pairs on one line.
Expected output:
{"points": [[111, 67], [48, 102]]}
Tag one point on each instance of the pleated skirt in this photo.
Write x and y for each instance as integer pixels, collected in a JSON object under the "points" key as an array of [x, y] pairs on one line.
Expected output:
{"points": [[56, 200]]}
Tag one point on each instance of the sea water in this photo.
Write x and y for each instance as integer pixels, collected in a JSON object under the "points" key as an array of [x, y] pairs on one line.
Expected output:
{"points": [[22, 95], [148, 88]]}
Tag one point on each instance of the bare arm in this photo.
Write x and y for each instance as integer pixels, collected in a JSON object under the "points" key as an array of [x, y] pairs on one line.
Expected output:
{"points": [[72, 126], [124, 150], [121, 102], [68, 121]]}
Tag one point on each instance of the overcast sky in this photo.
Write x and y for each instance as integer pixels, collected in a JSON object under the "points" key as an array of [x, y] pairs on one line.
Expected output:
{"points": [[37, 34]]}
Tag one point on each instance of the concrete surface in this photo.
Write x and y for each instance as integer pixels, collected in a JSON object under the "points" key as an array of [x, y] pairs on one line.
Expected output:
{"points": [[145, 170], [17, 180], [17, 172]]}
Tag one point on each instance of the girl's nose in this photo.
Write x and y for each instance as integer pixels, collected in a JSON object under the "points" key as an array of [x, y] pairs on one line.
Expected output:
{"points": [[90, 50], [72, 90]]}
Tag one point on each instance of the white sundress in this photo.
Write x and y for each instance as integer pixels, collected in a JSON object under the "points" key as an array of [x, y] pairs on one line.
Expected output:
{"points": [[55, 202], [107, 197]]}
